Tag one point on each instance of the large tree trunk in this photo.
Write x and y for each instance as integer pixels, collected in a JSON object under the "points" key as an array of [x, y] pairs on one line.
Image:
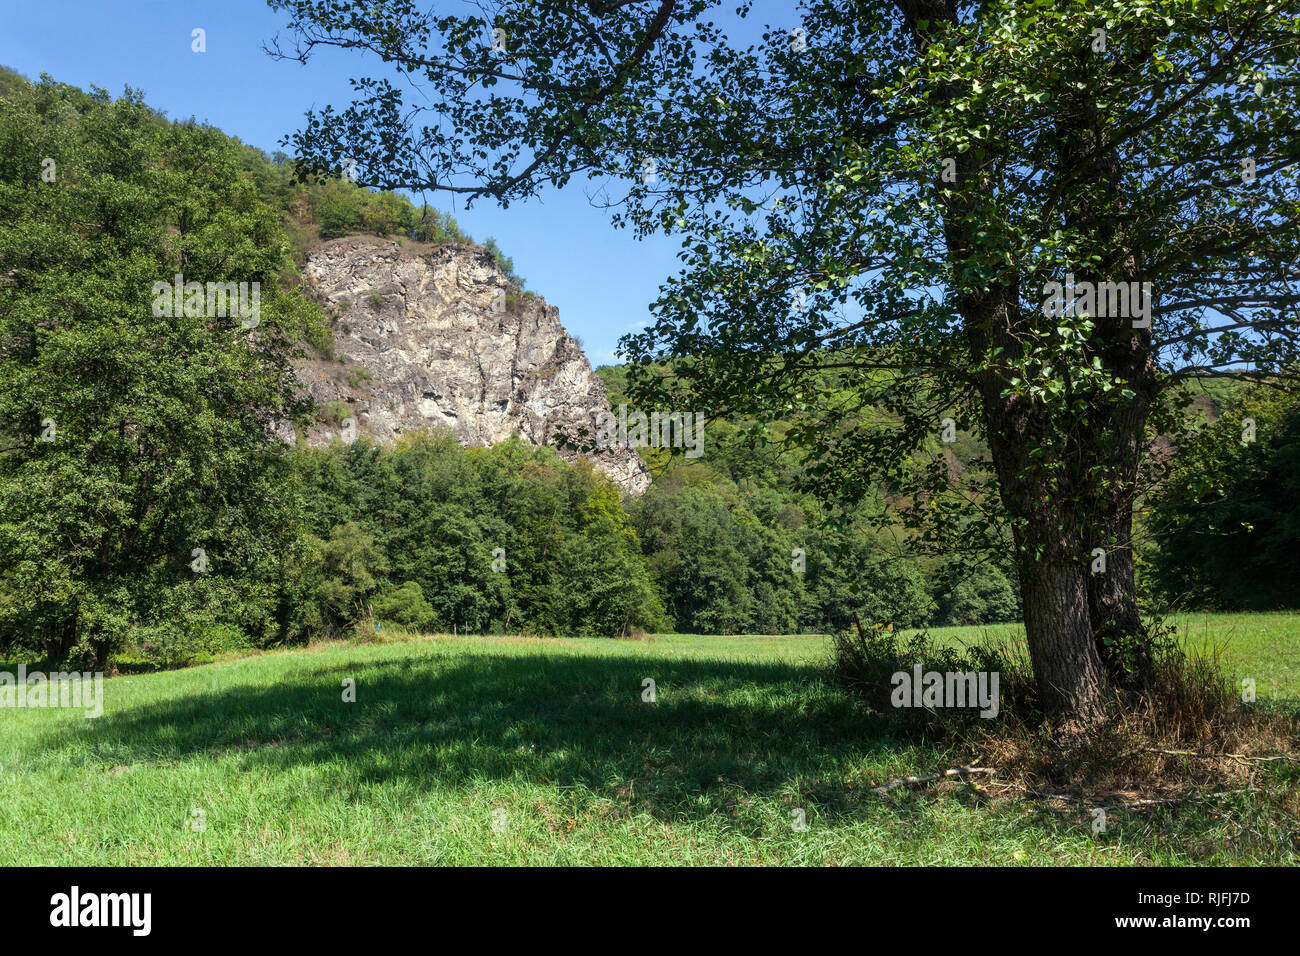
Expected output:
{"points": [[1039, 492], [1111, 448], [1051, 560], [1071, 677], [1036, 466], [1116, 454], [1122, 639]]}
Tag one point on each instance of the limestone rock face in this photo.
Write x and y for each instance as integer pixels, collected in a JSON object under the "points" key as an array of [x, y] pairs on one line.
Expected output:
{"points": [[437, 336]]}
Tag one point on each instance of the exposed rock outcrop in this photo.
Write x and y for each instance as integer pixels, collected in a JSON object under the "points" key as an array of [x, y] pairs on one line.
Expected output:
{"points": [[438, 336]]}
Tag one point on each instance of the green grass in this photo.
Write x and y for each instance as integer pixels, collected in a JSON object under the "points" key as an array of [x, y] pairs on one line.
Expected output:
{"points": [[1264, 647], [447, 731]]}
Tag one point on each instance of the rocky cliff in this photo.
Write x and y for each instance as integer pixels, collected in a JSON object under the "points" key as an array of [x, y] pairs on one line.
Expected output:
{"points": [[438, 336]]}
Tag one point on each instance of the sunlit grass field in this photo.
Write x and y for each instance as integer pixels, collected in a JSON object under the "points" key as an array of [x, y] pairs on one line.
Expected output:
{"points": [[496, 750], [1263, 647]]}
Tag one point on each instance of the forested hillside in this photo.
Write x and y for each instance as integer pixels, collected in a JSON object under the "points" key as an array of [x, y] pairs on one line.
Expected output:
{"points": [[147, 512]]}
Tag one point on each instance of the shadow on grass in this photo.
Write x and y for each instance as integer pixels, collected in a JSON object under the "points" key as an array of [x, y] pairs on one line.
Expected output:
{"points": [[718, 730], [723, 737]]}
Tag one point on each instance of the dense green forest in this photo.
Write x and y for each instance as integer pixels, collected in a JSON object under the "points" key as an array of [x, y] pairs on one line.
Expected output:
{"points": [[147, 511]]}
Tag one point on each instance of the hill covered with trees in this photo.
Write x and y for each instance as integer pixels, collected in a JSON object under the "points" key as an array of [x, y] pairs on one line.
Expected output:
{"points": [[148, 512]]}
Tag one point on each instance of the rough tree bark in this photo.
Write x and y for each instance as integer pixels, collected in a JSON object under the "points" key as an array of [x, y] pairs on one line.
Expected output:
{"points": [[1048, 533], [1110, 450], [1122, 638]]}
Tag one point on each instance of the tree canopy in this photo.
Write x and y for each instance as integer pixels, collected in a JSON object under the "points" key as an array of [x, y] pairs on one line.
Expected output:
{"points": [[140, 483]]}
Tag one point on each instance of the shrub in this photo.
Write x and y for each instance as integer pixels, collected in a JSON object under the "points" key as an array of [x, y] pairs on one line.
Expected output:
{"points": [[985, 595], [405, 605], [1226, 522], [866, 659], [504, 262], [183, 642], [343, 577], [334, 412]]}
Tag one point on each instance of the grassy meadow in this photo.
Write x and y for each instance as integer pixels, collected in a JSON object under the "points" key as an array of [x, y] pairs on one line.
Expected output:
{"points": [[512, 750]]}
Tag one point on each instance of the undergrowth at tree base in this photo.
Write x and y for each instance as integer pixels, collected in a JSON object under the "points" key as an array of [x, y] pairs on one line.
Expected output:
{"points": [[1186, 737]]}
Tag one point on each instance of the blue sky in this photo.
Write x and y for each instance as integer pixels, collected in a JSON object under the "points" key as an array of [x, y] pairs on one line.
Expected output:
{"points": [[601, 279]]}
